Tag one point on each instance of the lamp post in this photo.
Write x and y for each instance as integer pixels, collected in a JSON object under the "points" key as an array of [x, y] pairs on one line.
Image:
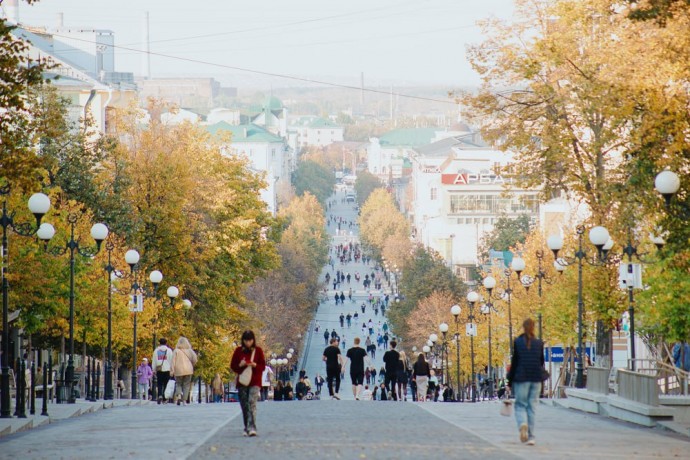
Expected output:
{"points": [[539, 277], [489, 284], [433, 338], [472, 298], [99, 232], [599, 237], [39, 205], [443, 327], [455, 311], [289, 365], [132, 258]]}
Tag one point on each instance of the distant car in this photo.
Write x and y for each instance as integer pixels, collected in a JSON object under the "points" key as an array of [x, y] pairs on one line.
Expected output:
{"points": [[350, 198], [232, 396]]}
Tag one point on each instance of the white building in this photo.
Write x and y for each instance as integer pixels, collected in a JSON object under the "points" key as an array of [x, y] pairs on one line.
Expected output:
{"points": [[266, 152], [458, 188], [388, 156], [85, 64], [314, 131]]}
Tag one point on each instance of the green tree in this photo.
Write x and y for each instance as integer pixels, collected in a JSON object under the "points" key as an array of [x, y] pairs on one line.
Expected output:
{"points": [[425, 273], [365, 185], [19, 124], [314, 178], [506, 234]]}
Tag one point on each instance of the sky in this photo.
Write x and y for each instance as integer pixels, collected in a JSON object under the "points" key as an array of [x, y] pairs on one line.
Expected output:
{"points": [[392, 41]]}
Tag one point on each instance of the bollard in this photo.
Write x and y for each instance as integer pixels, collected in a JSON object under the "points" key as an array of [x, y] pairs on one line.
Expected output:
{"points": [[94, 382], [46, 369], [87, 380], [22, 379], [58, 386], [199, 389], [98, 380], [17, 387], [32, 395]]}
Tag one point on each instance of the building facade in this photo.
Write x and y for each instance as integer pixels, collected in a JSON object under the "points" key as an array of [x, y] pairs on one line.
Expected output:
{"points": [[267, 154], [459, 187]]}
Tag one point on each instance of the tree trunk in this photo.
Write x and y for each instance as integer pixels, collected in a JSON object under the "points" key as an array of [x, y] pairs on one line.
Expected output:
{"points": [[604, 350]]}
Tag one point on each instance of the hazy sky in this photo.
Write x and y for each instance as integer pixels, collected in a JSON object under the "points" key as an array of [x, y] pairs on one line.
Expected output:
{"points": [[405, 41]]}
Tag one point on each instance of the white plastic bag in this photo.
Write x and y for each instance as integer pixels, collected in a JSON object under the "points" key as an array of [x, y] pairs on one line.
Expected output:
{"points": [[507, 408], [169, 389]]}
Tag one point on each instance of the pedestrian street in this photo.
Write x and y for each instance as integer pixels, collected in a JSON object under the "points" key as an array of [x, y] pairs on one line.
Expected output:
{"points": [[328, 313]]}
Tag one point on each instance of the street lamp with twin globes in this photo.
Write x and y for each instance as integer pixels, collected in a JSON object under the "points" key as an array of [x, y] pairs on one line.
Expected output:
{"points": [[99, 232], [39, 205]]}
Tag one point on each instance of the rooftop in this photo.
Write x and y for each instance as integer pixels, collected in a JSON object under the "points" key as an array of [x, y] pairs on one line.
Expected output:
{"points": [[244, 133], [408, 137]]}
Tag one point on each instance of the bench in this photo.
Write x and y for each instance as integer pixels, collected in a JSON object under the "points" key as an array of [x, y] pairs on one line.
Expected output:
{"points": [[593, 398]]}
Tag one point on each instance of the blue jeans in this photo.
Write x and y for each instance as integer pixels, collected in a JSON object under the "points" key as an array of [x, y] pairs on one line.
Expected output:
{"points": [[526, 400]]}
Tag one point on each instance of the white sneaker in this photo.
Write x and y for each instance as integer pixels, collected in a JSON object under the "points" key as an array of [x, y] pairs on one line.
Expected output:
{"points": [[337, 396], [531, 442]]}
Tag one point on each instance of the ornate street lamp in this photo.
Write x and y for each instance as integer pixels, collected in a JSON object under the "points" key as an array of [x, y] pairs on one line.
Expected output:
{"points": [[599, 237], [527, 281], [486, 309], [455, 310], [443, 328], [472, 299], [39, 205], [138, 293], [99, 232], [667, 183]]}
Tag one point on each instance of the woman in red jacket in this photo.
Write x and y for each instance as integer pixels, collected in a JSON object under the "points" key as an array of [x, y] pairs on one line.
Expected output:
{"points": [[248, 354]]}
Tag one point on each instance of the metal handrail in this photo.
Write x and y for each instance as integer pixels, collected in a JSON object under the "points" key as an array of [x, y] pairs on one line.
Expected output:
{"points": [[663, 370]]}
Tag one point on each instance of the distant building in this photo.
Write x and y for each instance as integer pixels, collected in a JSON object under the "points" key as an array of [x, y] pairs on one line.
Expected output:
{"points": [[193, 93], [272, 116], [314, 132], [85, 65], [459, 186], [266, 152], [386, 156]]}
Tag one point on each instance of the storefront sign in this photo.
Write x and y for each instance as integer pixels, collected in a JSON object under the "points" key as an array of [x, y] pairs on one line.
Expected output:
{"points": [[471, 178]]}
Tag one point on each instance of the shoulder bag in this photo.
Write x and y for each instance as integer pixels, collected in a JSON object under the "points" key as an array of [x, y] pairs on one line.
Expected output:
{"points": [[245, 377]]}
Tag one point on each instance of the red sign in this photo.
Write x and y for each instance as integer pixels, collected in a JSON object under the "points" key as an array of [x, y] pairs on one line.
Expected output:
{"points": [[471, 178]]}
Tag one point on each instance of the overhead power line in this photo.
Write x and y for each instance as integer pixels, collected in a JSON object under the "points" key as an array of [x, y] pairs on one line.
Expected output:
{"points": [[269, 74], [270, 27]]}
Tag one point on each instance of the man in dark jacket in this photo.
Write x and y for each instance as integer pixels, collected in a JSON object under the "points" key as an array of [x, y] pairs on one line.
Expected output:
{"points": [[391, 358], [301, 389]]}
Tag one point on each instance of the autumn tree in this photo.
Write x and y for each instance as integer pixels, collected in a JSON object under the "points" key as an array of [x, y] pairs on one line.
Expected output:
{"points": [[283, 301], [381, 220], [589, 101]]}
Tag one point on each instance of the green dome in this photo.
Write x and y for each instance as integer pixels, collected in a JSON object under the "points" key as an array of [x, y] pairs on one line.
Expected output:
{"points": [[273, 103]]}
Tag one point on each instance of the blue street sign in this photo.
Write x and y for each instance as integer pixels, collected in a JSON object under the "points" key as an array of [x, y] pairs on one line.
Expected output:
{"points": [[557, 353]]}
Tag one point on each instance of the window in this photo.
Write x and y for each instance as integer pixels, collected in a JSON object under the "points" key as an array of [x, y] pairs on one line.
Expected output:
{"points": [[493, 203], [434, 194], [274, 153]]}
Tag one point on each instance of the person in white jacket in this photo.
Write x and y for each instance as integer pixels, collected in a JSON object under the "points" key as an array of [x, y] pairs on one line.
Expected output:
{"points": [[161, 363]]}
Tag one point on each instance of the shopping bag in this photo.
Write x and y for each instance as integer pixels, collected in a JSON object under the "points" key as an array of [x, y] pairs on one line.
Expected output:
{"points": [[507, 408], [169, 389]]}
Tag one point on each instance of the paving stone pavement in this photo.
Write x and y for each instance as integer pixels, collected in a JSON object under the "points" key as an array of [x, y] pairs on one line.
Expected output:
{"points": [[348, 430], [146, 432], [338, 430], [564, 434], [328, 313]]}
